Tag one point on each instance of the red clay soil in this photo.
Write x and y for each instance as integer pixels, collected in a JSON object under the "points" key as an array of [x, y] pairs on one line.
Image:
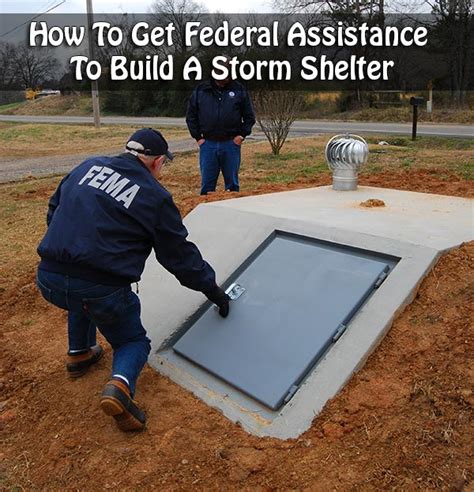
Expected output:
{"points": [[403, 422]]}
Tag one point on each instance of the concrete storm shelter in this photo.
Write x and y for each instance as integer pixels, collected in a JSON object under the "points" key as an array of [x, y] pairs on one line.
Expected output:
{"points": [[316, 282]]}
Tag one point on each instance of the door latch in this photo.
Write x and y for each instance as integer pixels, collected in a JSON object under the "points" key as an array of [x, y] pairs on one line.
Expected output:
{"points": [[234, 291]]}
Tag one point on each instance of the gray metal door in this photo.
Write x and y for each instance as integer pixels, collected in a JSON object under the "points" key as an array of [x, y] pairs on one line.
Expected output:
{"points": [[299, 296]]}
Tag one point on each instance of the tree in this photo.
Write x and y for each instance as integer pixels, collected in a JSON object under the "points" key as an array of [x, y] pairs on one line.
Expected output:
{"points": [[177, 12], [350, 13], [454, 32], [346, 7], [8, 67], [451, 32], [276, 111], [34, 66], [22, 67]]}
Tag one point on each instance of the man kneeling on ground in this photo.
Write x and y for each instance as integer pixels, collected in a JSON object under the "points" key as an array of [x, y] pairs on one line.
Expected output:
{"points": [[103, 221]]}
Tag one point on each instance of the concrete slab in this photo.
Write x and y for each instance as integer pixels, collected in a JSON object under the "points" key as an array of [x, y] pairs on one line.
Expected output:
{"points": [[435, 221], [414, 227]]}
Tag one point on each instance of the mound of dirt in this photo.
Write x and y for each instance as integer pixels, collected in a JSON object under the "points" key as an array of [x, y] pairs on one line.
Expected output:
{"points": [[73, 105], [372, 202], [405, 421]]}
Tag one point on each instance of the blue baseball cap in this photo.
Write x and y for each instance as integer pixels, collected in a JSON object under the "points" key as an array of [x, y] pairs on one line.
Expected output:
{"points": [[148, 141]]}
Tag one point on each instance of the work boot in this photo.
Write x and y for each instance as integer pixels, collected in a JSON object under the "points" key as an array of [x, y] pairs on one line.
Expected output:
{"points": [[78, 364], [117, 402]]}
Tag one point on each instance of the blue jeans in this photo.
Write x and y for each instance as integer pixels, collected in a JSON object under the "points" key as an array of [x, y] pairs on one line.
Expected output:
{"points": [[115, 311], [215, 157]]}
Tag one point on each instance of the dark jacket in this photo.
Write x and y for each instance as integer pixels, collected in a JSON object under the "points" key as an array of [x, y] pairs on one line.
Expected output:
{"points": [[219, 112], [105, 218]]}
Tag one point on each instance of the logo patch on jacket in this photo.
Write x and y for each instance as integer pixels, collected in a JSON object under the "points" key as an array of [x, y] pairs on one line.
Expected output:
{"points": [[111, 182]]}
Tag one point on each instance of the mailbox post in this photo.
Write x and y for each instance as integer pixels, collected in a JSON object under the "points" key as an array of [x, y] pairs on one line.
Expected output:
{"points": [[415, 102]]}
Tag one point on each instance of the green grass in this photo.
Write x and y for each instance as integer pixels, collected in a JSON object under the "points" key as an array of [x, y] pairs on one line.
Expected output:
{"points": [[274, 161], [289, 166], [296, 172], [442, 143], [284, 178], [455, 154], [447, 143], [466, 169], [313, 170], [372, 168], [6, 107]]}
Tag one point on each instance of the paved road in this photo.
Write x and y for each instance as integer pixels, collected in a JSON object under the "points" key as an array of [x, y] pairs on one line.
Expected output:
{"points": [[300, 126]]}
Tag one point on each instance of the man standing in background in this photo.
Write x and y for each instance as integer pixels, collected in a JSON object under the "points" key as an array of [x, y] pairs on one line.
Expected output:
{"points": [[219, 117]]}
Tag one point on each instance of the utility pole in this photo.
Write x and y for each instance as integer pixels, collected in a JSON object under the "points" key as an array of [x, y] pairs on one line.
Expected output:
{"points": [[94, 83]]}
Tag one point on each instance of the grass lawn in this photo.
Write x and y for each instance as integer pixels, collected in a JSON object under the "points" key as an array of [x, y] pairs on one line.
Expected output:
{"points": [[37, 140]]}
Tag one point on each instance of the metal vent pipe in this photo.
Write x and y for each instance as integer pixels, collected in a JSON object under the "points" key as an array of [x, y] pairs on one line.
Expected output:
{"points": [[345, 154]]}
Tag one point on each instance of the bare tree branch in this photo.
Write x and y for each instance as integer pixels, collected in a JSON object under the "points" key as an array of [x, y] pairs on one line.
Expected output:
{"points": [[276, 111]]}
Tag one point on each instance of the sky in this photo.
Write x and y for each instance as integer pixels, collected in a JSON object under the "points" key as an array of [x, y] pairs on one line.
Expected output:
{"points": [[135, 6]]}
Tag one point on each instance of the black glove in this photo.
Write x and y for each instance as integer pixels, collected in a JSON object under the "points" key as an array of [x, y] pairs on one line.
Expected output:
{"points": [[220, 299]]}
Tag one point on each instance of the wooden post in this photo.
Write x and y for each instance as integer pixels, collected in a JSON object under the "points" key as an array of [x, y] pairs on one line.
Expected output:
{"points": [[94, 83], [429, 103]]}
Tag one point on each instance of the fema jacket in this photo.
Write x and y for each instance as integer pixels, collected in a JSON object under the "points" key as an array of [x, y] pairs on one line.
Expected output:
{"points": [[215, 112], [105, 218]]}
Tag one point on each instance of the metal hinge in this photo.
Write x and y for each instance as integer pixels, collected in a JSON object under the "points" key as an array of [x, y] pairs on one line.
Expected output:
{"points": [[380, 280], [235, 291], [290, 393], [340, 330]]}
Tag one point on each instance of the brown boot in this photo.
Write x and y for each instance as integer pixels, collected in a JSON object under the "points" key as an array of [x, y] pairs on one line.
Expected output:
{"points": [[78, 364], [117, 403]]}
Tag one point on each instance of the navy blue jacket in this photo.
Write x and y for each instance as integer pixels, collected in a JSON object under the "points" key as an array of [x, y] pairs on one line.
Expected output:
{"points": [[105, 218], [215, 112]]}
